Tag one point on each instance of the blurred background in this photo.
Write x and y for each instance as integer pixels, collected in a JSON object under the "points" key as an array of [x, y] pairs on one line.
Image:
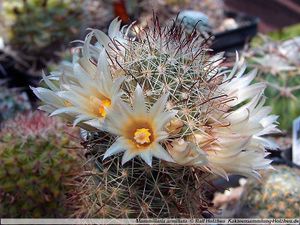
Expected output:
{"points": [[39, 155]]}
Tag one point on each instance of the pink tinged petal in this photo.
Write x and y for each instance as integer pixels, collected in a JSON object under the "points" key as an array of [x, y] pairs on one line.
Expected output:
{"points": [[128, 155], [147, 157], [159, 152], [115, 148]]}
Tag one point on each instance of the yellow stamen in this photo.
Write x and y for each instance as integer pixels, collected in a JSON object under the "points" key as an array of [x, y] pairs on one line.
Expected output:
{"points": [[142, 136], [67, 103], [104, 103], [98, 105]]}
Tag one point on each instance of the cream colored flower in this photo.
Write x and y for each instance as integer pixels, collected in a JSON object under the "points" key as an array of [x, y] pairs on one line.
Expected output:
{"points": [[114, 43], [140, 130], [93, 93], [84, 89], [233, 139]]}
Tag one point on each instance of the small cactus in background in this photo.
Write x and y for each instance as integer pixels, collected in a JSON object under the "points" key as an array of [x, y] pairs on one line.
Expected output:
{"points": [[278, 64], [36, 165], [12, 101], [276, 197], [162, 115], [38, 30]]}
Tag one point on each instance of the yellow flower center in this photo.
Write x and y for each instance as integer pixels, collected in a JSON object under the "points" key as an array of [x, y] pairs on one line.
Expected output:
{"points": [[104, 103], [142, 136], [99, 105], [67, 103]]}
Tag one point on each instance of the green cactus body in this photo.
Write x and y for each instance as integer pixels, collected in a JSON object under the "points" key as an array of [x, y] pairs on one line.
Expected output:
{"points": [[34, 171], [38, 28], [277, 196], [285, 99], [278, 65]]}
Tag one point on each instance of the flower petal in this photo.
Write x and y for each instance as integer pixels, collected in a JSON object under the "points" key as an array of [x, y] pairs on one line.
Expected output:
{"points": [[139, 105], [159, 152], [116, 147], [128, 155], [147, 157]]}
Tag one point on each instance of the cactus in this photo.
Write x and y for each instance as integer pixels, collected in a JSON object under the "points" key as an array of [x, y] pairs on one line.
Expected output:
{"points": [[137, 190], [283, 96], [35, 167], [161, 115], [39, 29], [276, 197], [279, 66], [12, 101]]}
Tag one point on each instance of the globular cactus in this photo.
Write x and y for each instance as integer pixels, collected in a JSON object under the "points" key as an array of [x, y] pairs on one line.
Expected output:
{"points": [[36, 165], [283, 96], [276, 197], [38, 30], [278, 64], [156, 95]]}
